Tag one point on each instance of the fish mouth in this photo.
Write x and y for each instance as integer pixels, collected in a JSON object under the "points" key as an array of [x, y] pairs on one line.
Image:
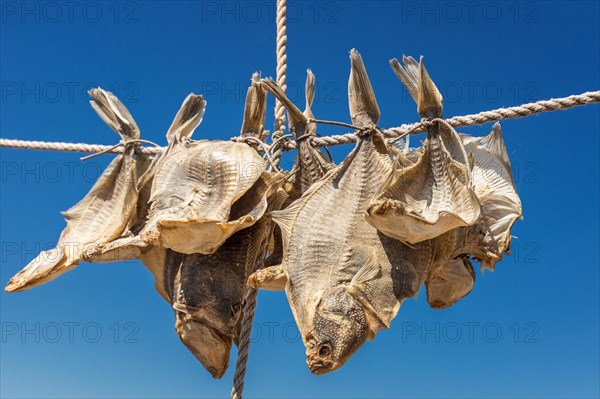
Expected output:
{"points": [[321, 366], [208, 345]]}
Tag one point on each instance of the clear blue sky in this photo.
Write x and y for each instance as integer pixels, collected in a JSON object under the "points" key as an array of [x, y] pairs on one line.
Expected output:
{"points": [[530, 329]]}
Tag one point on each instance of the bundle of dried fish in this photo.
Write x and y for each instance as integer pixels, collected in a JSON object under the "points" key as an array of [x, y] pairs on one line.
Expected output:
{"points": [[130, 245], [103, 214], [345, 280], [434, 195], [198, 194]]}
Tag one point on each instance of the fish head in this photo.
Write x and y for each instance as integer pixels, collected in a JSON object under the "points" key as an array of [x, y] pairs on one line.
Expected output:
{"points": [[207, 344], [337, 329]]}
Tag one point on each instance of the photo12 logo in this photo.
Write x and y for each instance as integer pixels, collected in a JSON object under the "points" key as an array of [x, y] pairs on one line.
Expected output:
{"points": [[470, 332], [70, 12], [470, 12], [63, 92], [54, 332], [317, 12]]}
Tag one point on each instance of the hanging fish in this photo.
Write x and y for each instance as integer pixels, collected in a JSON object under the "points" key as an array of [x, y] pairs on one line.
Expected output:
{"points": [[209, 290], [434, 195], [103, 214], [345, 280], [130, 245], [197, 198], [495, 188], [452, 276], [311, 165]]}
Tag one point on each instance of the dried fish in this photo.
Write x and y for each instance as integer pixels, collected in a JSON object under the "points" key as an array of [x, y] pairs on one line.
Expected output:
{"points": [[198, 189], [434, 195], [345, 280], [103, 214], [209, 289], [495, 188], [130, 245], [452, 277], [311, 165]]}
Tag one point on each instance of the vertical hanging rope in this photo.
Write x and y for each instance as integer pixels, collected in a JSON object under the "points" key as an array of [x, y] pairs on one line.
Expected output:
{"points": [[251, 293], [281, 75]]}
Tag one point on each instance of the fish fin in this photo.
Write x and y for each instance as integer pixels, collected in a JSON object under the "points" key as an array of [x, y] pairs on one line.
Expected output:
{"points": [[494, 143], [364, 110], [408, 73], [285, 219], [430, 101], [369, 271], [255, 110], [188, 117], [114, 113], [309, 90], [45, 267], [295, 115], [270, 278]]}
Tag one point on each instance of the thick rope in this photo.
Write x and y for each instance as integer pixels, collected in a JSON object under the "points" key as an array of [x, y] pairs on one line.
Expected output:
{"points": [[252, 293], [555, 104], [72, 147], [281, 61], [281, 51]]}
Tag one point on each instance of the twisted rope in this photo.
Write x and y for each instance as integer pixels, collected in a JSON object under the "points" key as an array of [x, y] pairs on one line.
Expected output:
{"points": [[277, 136], [246, 330], [281, 61], [284, 144]]}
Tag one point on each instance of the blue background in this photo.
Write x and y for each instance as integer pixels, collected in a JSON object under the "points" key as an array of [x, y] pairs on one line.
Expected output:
{"points": [[543, 300]]}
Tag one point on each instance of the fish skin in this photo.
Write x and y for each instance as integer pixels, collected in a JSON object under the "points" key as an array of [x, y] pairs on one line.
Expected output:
{"points": [[311, 165], [434, 195], [211, 176], [346, 283], [209, 289], [452, 277], [129, 245], [102, 215]]}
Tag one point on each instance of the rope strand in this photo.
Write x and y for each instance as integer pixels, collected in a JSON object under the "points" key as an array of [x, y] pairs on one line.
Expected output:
{"points": [[555, 104], [252, 293]]}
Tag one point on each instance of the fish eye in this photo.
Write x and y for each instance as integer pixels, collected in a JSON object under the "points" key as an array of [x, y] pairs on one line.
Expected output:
{"points": [[324, 350]]}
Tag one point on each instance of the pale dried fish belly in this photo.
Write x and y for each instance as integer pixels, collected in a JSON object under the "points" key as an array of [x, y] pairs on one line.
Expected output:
{"points": [[193, 192]]}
